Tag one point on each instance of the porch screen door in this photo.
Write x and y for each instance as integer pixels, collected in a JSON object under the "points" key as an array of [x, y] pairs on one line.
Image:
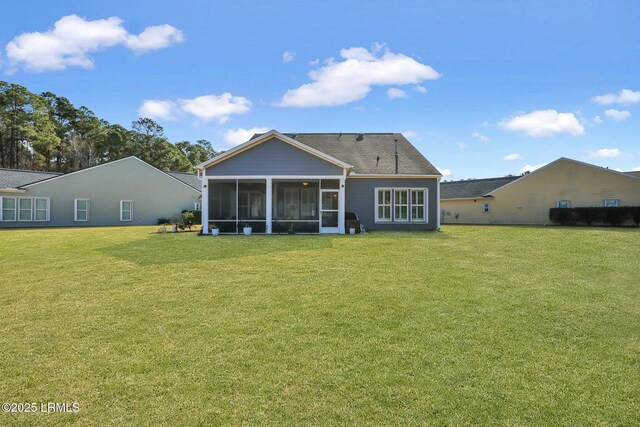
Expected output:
{"points": [[329, 211]]}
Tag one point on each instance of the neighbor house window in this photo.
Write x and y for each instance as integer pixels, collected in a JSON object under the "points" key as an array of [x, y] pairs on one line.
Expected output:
{"points": [[401, 205], [563, 204], [611, 203], [40, 209], [9, 208], [126, 210], [486, 208], [81, 210], [25, 209]]}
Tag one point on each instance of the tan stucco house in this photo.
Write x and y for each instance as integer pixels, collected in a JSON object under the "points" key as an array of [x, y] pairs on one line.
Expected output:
{"points": [[527, 199]]}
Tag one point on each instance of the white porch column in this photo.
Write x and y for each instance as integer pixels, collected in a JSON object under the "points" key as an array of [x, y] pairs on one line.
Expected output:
{"points": [[269, 200], [204, 207], [341, 205]]}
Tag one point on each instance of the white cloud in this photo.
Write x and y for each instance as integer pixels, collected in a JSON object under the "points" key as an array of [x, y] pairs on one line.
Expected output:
{"points": [[235, 137], [288, 56], [420, 89], [482, 138], [444, 172], [395, 93], [625, 96], [73, 38], [543, 123], [339, 83], [597, 119], [512, 157], [531, 168], [605, 153], [218, 107], [637, 168], [462, 145], [409, 134], [157, 109], [617, 115]]}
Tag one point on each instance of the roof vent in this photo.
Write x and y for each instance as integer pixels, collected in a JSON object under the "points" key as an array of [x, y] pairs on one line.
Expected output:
{"points": [[360, 137]]}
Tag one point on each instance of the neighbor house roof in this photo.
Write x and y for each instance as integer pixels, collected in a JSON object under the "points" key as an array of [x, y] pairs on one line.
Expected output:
{"points": [[191, 179], [364, 154], [14, 178], [473, 188], [633, 173]]}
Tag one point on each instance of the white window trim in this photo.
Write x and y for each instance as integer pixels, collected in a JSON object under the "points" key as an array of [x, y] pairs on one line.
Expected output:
{"points": [[425, 193], [488, 206], [563, 200], [409, 219], [46, 211], [19, 210], [15, 209], [122, 202], [604, 203], [75, 209], [377, 217]]}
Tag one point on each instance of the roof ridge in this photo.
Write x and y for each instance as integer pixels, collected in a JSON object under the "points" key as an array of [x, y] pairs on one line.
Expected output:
{"points": [[482, 179]]}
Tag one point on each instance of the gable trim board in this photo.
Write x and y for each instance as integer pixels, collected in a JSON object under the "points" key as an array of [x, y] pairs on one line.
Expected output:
{"points": [[266, 137], [106, 164]]}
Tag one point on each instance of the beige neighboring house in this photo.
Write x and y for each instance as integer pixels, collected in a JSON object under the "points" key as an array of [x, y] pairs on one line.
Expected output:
{"points": [[527, 199]]}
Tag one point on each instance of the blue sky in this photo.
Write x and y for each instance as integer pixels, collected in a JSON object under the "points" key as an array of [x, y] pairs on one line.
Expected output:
{"points": [[481, 88]]}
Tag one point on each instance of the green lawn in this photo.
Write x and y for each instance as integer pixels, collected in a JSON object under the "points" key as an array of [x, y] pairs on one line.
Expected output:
{"points": [[475, 325]]}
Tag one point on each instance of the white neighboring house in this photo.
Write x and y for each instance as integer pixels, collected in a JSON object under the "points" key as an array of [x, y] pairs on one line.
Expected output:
{"points": [[128, 191]]}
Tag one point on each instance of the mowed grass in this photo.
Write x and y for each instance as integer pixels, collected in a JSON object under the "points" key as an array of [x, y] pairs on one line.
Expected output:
{"points": [[472, 326]]}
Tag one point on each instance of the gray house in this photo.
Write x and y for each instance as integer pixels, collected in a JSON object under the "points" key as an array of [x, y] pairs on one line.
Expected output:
{"points": [[308, 182], [123, 192]]}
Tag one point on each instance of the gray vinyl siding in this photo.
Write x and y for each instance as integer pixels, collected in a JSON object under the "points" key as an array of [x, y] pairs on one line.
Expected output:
{"points": [[273, 157], [154, 195], [360, 198]]}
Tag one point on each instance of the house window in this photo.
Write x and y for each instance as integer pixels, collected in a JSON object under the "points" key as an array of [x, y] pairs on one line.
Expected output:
{"points": [[81, 210], [486, 208], [41, 209], [417, 205], [8, 208], [401, 205], [563, 204], [384, 205], [126, 210], [25, 209], [611, 203]]}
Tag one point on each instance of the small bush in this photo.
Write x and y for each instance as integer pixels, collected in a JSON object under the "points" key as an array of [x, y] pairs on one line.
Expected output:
{"points": [[197, 215], [600, 215], [188, 220], [164, 221]]}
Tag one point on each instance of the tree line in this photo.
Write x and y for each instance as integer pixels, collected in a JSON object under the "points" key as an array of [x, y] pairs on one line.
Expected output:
{"points": [[47, 132]]}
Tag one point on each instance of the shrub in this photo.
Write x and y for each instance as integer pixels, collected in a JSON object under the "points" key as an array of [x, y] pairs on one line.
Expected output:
{"points": [[614, 216], [164, 221], [197, 215], [188, 220]]}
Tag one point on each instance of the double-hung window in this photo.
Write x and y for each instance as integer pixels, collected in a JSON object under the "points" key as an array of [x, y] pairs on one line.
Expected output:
{"points": [[401, 205], [40, 209], [81, 210], [25, 209], [563, 204], [9, 209], [126, 210]]}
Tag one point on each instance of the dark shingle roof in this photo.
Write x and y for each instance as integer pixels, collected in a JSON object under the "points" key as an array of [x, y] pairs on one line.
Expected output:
{"points": [[361, 150], [14, 178], [191, 179], [633, 173], [472, 188]]}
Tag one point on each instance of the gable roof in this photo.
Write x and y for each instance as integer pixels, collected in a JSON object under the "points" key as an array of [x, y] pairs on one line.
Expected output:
{"points": [[362, 153], [191, 179], [633, 173], [370, 153], [265, 137], [14, 178], [60, 176], [473, 188]]}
